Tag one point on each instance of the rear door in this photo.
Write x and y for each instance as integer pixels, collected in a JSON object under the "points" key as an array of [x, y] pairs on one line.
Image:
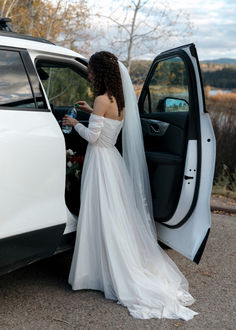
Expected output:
{"points": [[180, 150], [32, 165], [64, 81]]}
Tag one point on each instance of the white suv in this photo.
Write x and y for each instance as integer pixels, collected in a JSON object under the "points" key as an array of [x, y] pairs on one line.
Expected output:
{"points": [[39, 195]]}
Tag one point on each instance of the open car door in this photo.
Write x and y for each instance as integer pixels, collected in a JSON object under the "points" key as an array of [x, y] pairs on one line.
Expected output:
{"points": [[180, 150]]}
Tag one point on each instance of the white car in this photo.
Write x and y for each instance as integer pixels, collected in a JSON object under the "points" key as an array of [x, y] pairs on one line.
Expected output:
{"points": [[39, 192]]}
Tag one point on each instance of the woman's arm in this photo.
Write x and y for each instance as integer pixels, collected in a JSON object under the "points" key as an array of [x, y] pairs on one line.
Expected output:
{"points": [[92, 132]]}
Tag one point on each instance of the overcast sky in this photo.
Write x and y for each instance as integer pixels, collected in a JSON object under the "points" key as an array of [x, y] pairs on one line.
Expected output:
{"points": [[214, 26], [214, 31]]}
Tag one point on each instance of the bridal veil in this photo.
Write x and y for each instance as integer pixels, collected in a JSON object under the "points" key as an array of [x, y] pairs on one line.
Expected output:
{"points": [[134, 153]]}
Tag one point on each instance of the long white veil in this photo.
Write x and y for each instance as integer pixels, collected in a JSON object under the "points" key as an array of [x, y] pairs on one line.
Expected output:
{"points": [[134, 153]]}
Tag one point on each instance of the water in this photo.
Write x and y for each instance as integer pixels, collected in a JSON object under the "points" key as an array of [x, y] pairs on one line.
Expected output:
{"points": [[216, 91], [73, 113]]}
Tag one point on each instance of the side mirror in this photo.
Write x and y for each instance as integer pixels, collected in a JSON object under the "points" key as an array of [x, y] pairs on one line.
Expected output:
{"points": [[172, 104]]}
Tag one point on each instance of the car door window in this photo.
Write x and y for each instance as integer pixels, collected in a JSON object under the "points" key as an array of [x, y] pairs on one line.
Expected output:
{"points": [[15, 89], [63, 84], [168, 89]]}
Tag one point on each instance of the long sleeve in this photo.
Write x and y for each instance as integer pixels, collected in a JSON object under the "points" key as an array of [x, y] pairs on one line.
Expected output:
{"points": [[92, 132]]}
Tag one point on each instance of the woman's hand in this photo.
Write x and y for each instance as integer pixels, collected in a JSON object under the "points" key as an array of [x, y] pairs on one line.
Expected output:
{"points": [[84, 106], [69, 121]]}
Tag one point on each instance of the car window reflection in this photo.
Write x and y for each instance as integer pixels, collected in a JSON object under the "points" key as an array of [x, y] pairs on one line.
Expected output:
{"points": [[15, 90]]}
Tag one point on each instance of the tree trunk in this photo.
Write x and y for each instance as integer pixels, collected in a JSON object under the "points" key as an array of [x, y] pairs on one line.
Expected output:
{"points": [[3, 7], [53, 19], [13, 3], [131, 39]]}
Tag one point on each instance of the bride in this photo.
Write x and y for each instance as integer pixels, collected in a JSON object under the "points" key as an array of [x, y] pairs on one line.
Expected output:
{"points": [[116, 249]]}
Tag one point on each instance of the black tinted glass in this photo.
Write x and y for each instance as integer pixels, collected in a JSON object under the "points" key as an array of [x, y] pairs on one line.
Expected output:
{"points": [[15, 89]]}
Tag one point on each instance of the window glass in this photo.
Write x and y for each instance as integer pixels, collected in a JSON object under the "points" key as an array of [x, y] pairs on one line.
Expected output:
{"points": [[63, 84], [15, 90], [168, 89]]}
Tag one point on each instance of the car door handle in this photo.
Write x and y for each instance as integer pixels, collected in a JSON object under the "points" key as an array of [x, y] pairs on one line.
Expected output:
{"points": [[155, 129]]}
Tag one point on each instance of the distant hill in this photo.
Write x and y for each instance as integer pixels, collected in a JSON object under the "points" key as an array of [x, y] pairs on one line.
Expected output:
{"points": [[224, 78], [221, 61], [219, 73]]}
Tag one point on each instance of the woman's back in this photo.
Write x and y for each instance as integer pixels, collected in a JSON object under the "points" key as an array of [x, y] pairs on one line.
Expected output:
{"points": [[108, 108], [109, 131]]}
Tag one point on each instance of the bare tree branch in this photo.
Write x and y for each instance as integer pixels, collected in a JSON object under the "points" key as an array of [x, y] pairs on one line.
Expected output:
{"points": [[144, 22], [137, 7], [115, 21]]}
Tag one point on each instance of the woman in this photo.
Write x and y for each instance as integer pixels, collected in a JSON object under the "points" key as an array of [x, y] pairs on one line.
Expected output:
{"points": [[116, 248]]}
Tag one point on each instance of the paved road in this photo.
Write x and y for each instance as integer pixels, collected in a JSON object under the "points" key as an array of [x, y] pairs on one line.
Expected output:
{"points": [[38, 296]]}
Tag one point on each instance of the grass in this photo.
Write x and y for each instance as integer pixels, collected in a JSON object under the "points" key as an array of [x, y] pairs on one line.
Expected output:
{"points": [[222, 184], [219, 191]]}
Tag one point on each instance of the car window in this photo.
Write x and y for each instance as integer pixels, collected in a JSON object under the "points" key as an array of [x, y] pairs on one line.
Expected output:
{"points": [[15, 89], [64, 84], [168, 88]]}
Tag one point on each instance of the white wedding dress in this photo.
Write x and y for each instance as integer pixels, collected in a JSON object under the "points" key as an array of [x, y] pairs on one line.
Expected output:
{"points": [[112, 253]]}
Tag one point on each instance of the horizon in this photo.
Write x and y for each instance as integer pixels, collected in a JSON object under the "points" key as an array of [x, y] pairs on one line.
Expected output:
{"points": [[207, 60]]}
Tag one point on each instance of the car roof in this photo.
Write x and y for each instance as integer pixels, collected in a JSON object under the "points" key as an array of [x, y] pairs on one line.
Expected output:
{"points": [[12, 39]]}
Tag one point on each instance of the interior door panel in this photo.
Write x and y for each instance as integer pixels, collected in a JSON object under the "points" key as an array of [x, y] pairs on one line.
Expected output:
{"points": [[165, 152]]}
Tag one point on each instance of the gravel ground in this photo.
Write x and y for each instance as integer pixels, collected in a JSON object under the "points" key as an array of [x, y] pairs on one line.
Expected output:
{"points": [[38, 296]]}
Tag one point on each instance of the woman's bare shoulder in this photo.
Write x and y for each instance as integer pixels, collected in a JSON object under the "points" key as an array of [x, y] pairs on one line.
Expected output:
{"points": [[103, 99], [101, 104]]}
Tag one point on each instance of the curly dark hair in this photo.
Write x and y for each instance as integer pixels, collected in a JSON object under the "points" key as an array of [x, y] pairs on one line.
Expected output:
{"points": [[105, 69]]}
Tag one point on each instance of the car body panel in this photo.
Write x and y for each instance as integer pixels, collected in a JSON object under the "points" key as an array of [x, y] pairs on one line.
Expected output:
{"points": [[32, 172], [35, 45]]}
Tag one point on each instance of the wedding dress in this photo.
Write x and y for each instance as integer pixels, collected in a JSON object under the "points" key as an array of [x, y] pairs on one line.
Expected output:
{"points": [[116, 249]]}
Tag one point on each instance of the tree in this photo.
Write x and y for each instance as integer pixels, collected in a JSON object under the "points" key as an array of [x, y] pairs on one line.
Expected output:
{"points": [[63, 22], [138, 27]]}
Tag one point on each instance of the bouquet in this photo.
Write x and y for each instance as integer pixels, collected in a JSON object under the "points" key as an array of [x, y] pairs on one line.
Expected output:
{"points": [[74, 163]]}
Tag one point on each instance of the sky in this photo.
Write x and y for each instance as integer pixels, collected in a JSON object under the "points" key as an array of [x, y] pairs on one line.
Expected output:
{"points": [[214, 25], [214, 31]]}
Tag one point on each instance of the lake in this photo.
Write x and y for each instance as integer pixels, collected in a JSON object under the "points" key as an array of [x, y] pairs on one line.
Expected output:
{"points": [[216, 91]]}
